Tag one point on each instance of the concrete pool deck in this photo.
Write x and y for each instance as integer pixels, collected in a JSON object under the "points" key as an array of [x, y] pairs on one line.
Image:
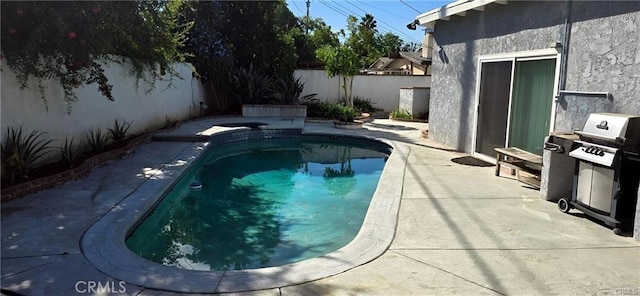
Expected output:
{"points": [[460, 229]]}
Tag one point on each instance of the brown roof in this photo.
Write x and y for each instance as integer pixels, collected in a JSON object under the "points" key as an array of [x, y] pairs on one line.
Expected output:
{"points": [[415, 57]]}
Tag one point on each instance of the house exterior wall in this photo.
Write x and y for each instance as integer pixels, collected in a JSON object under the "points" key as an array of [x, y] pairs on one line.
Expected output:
{"points": [[417, 69], [146, 111], [461, 40], [399, 64], [383, 90], [603, 56]]}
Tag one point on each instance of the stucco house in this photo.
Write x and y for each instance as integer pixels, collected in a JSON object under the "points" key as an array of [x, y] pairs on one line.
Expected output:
{"points": [[402, 63], [507, 73]]}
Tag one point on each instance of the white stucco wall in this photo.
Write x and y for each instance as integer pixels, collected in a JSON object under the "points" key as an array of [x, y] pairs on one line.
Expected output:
{"points": [[415, 100], [383, 90], [146, 111]]}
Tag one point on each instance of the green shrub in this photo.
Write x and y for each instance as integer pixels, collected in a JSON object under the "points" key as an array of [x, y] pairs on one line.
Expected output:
{"points": [[364, 105], [314, 108], [347, 113], [330, 110], [20, 152], [400, 114], [340, 112]]}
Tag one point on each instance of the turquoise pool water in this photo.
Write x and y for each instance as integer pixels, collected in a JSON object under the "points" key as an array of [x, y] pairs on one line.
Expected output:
{"points": [[263, 203]]}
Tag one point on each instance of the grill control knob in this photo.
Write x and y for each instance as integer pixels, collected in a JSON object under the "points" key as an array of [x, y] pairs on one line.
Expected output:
{"points": [[601, 152]]}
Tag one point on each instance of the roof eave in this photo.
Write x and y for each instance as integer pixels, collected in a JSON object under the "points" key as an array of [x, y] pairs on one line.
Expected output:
{"points": [[460, 8]]}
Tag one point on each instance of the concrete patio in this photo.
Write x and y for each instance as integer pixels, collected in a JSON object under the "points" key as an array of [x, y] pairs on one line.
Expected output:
{"points": [[460, 230]]}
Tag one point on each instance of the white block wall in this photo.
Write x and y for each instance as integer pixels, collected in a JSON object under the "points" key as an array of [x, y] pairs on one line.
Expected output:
{"points": [[383, 90], [147, 111]]}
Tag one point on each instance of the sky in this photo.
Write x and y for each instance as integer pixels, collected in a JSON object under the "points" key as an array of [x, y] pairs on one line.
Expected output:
{"points": [[391, 15]]}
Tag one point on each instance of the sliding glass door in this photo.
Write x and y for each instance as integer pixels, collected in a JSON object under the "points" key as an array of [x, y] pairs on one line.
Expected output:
{"points": [[531, 104], [493, 107], [514, 104]]}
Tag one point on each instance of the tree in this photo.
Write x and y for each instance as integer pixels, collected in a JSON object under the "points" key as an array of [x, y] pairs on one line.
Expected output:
{"points": [[388, 43], [71, 41], [368, 23], [362, 39], [341, 61], [411, 47], [230, 35], [311, 35]]}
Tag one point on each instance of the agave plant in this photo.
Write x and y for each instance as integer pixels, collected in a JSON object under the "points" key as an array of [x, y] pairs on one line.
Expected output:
{"points": [[97, 140], [21, 151], [70, 152], [119, 130]]}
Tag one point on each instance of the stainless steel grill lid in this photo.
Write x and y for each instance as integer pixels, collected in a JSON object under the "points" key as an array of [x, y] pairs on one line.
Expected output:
{"points": [[611, 127], [606, 134]]}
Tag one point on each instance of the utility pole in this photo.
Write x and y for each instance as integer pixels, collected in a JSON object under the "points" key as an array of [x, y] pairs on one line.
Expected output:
{"points": [[307, 20]]}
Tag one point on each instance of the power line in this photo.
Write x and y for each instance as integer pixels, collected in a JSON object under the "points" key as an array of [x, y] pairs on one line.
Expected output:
{"points": [[385, 11], [387, 27], [334, 9], [392, 27], [405, 3], [296, 5], [385, 24]]}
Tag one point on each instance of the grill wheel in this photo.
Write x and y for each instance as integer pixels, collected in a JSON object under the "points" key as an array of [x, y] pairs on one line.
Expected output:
{"points": [[564, 205]]}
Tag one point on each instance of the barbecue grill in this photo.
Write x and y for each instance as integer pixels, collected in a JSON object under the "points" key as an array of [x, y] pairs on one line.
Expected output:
{"points": [[605, 182]]}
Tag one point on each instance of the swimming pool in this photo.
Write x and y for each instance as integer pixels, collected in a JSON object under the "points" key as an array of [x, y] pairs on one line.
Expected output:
{"points": [[263, 203], [104, 243]]}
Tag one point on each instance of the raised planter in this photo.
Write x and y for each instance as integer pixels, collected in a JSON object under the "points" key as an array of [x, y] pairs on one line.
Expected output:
{"points": [[83, 169], [356, 124], [274, 111], [409, 119]]}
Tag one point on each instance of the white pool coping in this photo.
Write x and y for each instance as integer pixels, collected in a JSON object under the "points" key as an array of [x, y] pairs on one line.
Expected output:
{"points": [[103, 244]]}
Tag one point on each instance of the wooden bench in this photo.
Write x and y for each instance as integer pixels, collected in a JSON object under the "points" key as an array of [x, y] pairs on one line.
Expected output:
{"points": [[519, 160]]}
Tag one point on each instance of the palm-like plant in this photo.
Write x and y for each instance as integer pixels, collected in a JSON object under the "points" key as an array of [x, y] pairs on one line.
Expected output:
{"points": [[20, 151], [369, 23], [289, 89], [251, 85]]}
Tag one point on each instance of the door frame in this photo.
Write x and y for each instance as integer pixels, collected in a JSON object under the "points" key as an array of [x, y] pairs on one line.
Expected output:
{"points": [[514, 57]]}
